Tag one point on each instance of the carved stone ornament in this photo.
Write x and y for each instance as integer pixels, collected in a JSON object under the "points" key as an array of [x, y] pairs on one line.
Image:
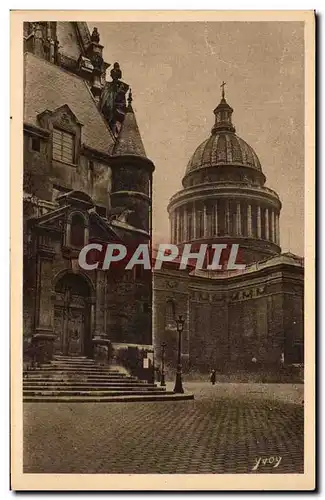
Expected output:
{"points": [[65, 118], [172, 284], [247, 294]]}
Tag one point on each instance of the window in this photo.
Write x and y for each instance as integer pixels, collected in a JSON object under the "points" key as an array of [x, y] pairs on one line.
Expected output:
{"points": [[170, 315], [77, 237], [63, 146], [36, 144]]}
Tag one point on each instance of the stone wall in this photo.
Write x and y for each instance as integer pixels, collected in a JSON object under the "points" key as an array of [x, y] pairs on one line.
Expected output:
{"points": [[241, 323]]}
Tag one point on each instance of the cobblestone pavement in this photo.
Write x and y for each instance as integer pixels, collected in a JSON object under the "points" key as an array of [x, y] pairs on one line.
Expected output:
{"points": [[226, 429]]}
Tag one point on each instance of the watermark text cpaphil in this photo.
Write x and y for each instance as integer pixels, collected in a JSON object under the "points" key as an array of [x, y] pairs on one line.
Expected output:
{"points": [[215, 257]]}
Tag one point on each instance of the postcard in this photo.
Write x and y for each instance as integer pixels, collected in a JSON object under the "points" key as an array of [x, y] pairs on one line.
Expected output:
{"points": [[162, 250]]}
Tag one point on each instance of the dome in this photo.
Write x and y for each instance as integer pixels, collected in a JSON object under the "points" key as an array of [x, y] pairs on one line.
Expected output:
{"points": [[223, 148], [224, 199]]}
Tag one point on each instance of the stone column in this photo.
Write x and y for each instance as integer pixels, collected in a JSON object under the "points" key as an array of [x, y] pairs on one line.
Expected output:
{"points": [[267, 224], [216, 218], [227, 218], [259, 222], [205, 221], [273, 237], [277, 228], [238, 220], [92, 301], [194, 222], [177, 226], [249, 220], [44, 313], [181, 232], [67, 233], [100, 282], [171, 227], [44, 323], [185, 227]]}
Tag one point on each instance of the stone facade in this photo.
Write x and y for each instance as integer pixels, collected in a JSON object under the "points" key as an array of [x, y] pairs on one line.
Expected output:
{"points": [[230, 320], [86, 180]]}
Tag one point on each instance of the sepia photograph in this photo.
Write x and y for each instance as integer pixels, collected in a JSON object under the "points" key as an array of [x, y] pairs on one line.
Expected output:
{"points": [[163, 182]]}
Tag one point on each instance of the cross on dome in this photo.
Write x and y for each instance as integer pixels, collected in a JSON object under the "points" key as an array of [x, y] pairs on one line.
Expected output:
{"points": [[223, 89], [223, 114]]}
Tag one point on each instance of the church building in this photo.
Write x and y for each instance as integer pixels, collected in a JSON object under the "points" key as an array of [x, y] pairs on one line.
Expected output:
{"points": [[87, 179], [238, 319]]}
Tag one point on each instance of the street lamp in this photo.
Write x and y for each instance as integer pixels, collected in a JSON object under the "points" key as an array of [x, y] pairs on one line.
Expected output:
{"points": [[162, 379], [178, 383]]}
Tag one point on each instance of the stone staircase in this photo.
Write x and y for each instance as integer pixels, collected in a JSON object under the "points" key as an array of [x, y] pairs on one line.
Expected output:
{"points": [[80, 379]]}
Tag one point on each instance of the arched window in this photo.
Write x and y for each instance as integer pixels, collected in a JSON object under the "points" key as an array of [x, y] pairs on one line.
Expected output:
{"points": [[77, 238], [170, 315]]}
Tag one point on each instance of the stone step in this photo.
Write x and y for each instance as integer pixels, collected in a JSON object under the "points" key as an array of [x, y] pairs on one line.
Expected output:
{"points": [[80, 371], [76, 373], [95, 392], [76, 366], [79, 385], [85, 361], [72, 361], [79, 381], [83, 378], [65, 356], [108, 399], [94, 368]]}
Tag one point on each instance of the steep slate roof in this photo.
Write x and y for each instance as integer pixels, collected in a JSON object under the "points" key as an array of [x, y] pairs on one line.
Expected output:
{"points": [[129, 140], [48, 87]]}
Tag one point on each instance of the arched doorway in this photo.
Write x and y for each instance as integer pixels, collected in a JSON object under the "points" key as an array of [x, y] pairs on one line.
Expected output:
{"points": [[72, 316]]}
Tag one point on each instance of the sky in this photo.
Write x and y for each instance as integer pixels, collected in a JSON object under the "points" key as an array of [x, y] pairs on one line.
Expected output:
{"points": [[175, 71]]}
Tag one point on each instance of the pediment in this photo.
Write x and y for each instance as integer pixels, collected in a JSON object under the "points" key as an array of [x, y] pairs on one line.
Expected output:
{"points": [[52, 220], [78, 198], [55, 220], [62, 116], [65, 114]]}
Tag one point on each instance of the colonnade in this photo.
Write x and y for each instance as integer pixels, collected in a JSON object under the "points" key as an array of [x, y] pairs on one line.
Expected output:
{"points": [[224, 218]]}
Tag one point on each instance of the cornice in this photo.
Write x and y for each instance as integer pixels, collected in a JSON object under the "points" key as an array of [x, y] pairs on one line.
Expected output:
{"points": [[215, 191]]}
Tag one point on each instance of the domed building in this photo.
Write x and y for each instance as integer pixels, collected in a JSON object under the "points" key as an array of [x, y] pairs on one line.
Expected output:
{"points": [[245, 319], [224, 196]]}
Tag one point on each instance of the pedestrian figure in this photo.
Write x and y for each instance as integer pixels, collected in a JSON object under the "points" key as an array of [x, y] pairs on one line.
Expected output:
{"points": [[213, 377]]}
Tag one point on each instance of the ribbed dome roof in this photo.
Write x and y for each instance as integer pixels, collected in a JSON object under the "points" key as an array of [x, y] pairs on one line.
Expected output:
{"points": [[222, 148]]}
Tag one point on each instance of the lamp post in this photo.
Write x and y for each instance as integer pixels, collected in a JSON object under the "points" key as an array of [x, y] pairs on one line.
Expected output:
{"points": [[162, 380], [178, 383]]}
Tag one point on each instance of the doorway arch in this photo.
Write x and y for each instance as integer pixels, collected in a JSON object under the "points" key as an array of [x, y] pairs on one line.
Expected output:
{"points": [[72, 313]]}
